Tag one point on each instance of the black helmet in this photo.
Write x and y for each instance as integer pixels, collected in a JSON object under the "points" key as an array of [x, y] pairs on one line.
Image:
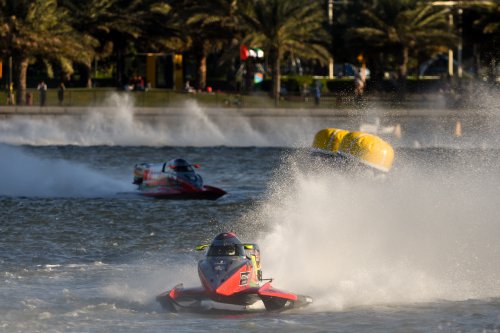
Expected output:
{"points": [[226, 238], [226, 244], [179, 165], [178, 162]]}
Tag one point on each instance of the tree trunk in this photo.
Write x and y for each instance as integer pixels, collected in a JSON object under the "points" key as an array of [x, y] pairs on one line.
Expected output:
{"points": [[201, 58], [492, 70], [276, 80], [250, 67], [377, 73], [120, 70], [403, 71], [202, 71], [121, 79], [20, 70], [87, 74], [403, 66]]}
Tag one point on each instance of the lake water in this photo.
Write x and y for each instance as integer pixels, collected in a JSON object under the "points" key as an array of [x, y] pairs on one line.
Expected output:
{"points": [[81, 252]]}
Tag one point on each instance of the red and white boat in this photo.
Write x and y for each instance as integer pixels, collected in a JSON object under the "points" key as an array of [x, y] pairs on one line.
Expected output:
{"points": [[175, 179]]}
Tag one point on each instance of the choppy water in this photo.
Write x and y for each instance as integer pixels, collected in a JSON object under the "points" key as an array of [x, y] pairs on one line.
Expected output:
{"points": [[416, 253]]}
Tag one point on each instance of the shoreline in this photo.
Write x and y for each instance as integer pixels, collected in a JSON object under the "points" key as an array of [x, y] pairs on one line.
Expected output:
{"points": [[37, 111]]}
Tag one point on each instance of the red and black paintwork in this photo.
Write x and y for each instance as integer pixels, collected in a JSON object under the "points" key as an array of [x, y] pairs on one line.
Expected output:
{"points": [[205, 193], [230, 274], [175, 179]]}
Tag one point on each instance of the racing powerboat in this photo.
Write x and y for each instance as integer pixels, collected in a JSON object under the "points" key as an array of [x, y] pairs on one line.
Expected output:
{"points": [[231, 279], [175, 179]]}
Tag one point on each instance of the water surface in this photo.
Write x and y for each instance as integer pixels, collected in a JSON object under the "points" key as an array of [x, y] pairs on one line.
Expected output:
{"points": [[81, 252]]}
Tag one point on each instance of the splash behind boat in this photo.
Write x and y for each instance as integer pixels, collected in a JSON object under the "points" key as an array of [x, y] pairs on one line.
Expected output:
{"points": [[175, 179]]}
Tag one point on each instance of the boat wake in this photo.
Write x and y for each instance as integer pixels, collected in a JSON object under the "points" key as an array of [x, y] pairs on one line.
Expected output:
{"points": [[25, 175]]}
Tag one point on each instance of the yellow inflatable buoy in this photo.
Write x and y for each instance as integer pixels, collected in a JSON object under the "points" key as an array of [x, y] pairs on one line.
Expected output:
{"points": [[368, 149], [322, 138], [328, 140]]}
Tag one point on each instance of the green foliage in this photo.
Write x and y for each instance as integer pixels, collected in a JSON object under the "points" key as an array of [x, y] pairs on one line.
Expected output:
{"points": [[285, 27], [490, 20], [211, 26], [398, 27], [39, 28], [59, 33]]}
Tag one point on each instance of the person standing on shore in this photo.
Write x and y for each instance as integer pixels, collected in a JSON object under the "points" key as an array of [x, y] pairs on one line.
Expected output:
{"points": [[359, 86], [10, 94], [317, 92], [60, 93], [42, 88]]}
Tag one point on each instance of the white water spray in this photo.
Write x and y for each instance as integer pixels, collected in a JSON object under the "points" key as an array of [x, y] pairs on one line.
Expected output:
{"points": [[417, 237], [118, 123], [23, 174], [143, 282]]}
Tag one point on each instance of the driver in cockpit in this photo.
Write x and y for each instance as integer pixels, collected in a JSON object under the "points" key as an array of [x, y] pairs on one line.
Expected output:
{"points": [[225, 250]]}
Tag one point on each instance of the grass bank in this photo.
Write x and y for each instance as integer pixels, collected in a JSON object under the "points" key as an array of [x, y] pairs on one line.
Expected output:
{"points": [[81, 97]]}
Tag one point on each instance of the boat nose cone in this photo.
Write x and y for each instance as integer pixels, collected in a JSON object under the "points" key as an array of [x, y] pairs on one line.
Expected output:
{"points": [[214, 274], [222, 277]]}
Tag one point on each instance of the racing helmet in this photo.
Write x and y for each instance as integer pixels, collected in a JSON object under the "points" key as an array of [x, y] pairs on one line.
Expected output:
{"points": [[179, 165], [226, 244]]}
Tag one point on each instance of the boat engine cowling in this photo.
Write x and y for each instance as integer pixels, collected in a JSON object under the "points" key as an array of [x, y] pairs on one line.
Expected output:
{"points": [[139, 173]]}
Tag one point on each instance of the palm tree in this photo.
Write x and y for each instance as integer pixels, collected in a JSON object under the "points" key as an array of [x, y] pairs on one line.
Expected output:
{"points": [[122, 26], [37, 28], [93, 19], [212, 25], [144, 26], [489, 22], [398, 26], [285, 27]]}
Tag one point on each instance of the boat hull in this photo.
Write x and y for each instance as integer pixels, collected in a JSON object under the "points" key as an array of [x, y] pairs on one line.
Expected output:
{"points": [[206, 193]]}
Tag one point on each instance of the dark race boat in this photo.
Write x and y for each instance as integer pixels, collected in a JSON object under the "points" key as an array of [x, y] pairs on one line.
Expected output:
{"points": [[175, 179]]}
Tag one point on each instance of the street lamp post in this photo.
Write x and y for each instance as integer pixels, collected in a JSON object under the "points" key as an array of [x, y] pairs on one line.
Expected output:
{"points": [[10, 71], [459, 47], [331, 71], [452, 4], [450, 50], [331, 3]]}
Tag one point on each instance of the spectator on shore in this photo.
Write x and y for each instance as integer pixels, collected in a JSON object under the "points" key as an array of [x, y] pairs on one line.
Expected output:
{"points": [[60, 93], [188, 88], [10, 94], [29, 99], [305, 91], [42, 88], [139, 83], [359, 86], [130, 85], [317, 92], [127, 87], [136, 83]]}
